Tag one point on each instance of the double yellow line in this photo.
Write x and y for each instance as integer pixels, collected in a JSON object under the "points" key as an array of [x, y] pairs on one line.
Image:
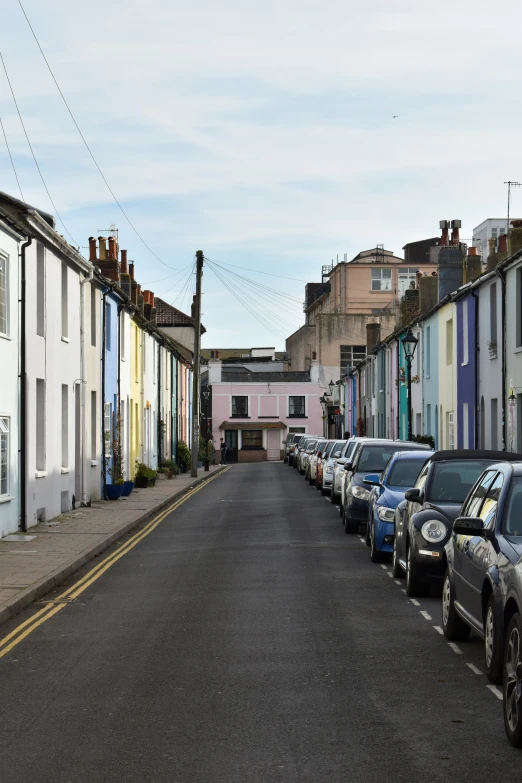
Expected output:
{"points": [[28, 626]]}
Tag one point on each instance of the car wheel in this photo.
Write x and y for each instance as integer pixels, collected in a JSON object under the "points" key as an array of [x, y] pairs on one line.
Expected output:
{"points": [[318, 486], [492, 643], [414, 586], [375, 555], [397, 571], [349, 526], [513, 682], [323, 491], [454, 627]]}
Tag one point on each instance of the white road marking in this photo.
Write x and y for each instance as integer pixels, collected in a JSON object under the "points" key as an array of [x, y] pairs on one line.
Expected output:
{"points": [[496, 691], [384, 566], [414, 602], [474, 668], [361, 539], [439, 629], [390, 574], [404, 591], [456, 649], [398, 582], [426, 615]]}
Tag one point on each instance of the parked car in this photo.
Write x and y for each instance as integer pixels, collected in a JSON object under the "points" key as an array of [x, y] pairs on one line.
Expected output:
{"points": [[399, 475], [423, 524], [480, 563], [322, 463], [305, 454], [368, 461], [294, 448], [348, 447], [290, 442], [299, 448], [315, 458], [328, 465]]}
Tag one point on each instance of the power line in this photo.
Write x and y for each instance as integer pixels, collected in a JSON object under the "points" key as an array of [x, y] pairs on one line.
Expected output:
{"points": [[87, 146], [259, 271], [12, 161], [32, 152], [287, 298]]}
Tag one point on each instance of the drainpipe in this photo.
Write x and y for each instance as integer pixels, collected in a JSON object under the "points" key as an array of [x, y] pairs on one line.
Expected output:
{"points": [[118, 385], [83, 384], [476, 379], [503, 324], [398, 389], [103, 347], [23, 392]]}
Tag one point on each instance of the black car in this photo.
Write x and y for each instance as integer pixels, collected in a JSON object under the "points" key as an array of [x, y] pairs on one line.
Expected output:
{"points": [[424, 522]]}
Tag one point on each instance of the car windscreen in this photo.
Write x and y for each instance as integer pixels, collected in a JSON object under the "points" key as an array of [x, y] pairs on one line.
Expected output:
{"points": [[311, 446], [451, 481], [511, 518], [328, 450], [373, 459], [337, 450], [405, 472]]}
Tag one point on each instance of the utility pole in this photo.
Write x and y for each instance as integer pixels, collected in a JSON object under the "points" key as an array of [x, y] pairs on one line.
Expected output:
{"points": [[196, 376]]}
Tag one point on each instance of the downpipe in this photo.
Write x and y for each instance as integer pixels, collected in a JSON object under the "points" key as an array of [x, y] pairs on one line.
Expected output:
{"points": [[22, 446], [83, 391]]}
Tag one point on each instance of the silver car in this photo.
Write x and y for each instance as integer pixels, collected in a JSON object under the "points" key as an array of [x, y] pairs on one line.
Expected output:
{"points": [[329, 465], [305, 454]]}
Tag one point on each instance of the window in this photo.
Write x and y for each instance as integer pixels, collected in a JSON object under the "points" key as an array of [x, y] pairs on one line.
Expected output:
{"points": [[465, 425], [428, 351], [518, 340], [94, 427], [450, 429], [381, 279], [418, 424], [493, 321], [449, 341], [240, 407], [465, 333], [350, 355], [40, 424], [94, 313], [472, 507], [107, 326], [494, 424], [65, 426], [296, 406], [122, 335], [4, 455], [252, 439], [297, 429], [4, 295], [136, 354], [452, 480], [428, 419], [65, 301], [511, 520], [489, 507], [406, 278], [107, 428], [40, 289]]}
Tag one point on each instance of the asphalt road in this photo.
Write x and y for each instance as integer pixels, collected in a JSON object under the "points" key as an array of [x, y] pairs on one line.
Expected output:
{"points": [[248, 639]]}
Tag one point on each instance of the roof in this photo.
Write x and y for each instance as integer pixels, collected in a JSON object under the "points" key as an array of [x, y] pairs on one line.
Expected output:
{"points": [[252, 425], [167, 315], [242, 375], [21, 207], [494, 456]]}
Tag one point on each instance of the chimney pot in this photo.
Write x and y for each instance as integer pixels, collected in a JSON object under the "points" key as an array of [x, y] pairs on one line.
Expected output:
{"points": [[131, 269], [112, 249], [103, 248], [123, 267], [92, 249], [152, 301], [502, 243], [472, 251]]}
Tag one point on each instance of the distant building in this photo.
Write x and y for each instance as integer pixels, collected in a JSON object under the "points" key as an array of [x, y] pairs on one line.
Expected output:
{"points": [[491, 228]]}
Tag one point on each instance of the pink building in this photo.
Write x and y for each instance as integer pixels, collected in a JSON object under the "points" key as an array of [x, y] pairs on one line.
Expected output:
{"points": [[254, 410]]}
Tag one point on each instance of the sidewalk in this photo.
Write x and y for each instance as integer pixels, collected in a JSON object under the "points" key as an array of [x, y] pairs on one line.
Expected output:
{"points": [[31, 564]]}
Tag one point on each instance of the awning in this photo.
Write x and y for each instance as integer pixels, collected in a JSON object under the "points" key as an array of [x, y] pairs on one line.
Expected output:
{"points": [[251, 425]]}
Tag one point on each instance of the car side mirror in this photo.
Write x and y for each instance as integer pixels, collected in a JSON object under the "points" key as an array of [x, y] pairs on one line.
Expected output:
{"points": [[469, 526], [348, 466], [372, 480], [319, 454], [413, 495]]}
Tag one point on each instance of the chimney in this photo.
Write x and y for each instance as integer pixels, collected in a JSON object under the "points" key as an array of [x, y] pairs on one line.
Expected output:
{"points": [[125, 278], [495, 257], [134, 285], [214, 371], [140, 300], [502, 243], [131, 269], [113, 255], [515, 238], [444, 225], [455, 226], [153, 315], [428, 293], [92, 249], [103, 248], [409, 305], [373, 336], [147, 307], [472, 265], [450, 267]]}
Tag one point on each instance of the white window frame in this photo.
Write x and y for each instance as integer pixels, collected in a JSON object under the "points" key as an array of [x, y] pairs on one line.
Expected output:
{"points": [[4, 258], [379, 278], [107, 429], [5, 435], [465, 334]]}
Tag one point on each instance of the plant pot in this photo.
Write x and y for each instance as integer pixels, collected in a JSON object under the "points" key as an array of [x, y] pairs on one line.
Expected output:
{"points": [[114, 491], [151, 482], [161, 477], [141, 482], [171, 474], [127, 489]]}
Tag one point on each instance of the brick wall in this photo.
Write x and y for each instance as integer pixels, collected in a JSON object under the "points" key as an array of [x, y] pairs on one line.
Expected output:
{"points": [[252, 456]]}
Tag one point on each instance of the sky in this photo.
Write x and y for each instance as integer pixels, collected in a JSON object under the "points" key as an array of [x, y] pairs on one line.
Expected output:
{"points": [[263, 134]]}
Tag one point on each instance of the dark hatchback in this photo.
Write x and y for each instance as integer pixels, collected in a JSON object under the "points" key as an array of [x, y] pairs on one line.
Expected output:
{"points": [[423, 524]]}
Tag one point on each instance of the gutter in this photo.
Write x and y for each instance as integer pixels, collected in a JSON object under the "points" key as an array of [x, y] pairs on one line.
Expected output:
{"points": [[22, 446]]}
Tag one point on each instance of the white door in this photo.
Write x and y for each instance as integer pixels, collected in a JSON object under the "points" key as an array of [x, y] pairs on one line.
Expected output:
{"points": [[274, 444]]}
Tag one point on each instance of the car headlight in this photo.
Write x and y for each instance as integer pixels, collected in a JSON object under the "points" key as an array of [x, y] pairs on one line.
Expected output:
{"points": [[386, 514], [434, 531], [361, 493]]}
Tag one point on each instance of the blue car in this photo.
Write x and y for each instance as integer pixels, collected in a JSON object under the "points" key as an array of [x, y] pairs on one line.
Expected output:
{"points": [[387, 492]]}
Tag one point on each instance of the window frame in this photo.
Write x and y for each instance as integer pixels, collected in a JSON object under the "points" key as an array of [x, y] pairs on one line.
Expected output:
{"points": [[4, 257], [293, 414], [250, 447], [5, 434], [379, 278], [234, 397]]}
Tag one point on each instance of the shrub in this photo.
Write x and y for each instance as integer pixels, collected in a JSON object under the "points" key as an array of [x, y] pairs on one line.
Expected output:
{"points": [[424, 439], [184, 455]]}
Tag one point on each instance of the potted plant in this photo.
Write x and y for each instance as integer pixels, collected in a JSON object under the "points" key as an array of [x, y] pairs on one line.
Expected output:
{"points": [[128, 486], [162, 473], [184, 456], [141, 475], [171, 468], [114, 490]]}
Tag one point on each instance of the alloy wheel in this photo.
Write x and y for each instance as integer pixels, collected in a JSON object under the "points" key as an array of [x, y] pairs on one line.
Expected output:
{"points": [[489, 636], [446, 600], [513, 680]]}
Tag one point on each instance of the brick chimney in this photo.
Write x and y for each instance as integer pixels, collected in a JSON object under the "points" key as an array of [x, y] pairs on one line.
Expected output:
{"points": [[496, 256], [92, 249], [455, 226], [472, 265], [140, 300], [108, 264], [147, 307], [515, 238], [373, 336], [409, 306], [444, 225], [103, 248], [153, 314], [134, 285], [428, 293], [125, 278]]}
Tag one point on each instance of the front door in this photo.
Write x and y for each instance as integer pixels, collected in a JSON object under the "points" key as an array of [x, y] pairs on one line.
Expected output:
{"points": [[274, 444], [231, 441]]}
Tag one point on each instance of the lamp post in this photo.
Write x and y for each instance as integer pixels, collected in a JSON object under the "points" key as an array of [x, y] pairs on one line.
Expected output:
{"points": [[409, 342], [206, 396]]}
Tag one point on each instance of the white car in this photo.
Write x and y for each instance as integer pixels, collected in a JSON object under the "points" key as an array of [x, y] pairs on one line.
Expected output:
{"points": [[311, 473], [338, 468], [305, 455], [334, 451]]}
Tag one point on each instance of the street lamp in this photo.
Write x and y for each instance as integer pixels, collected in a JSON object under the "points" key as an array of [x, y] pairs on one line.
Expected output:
{"points": [[409, 343], [206, 396]]}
